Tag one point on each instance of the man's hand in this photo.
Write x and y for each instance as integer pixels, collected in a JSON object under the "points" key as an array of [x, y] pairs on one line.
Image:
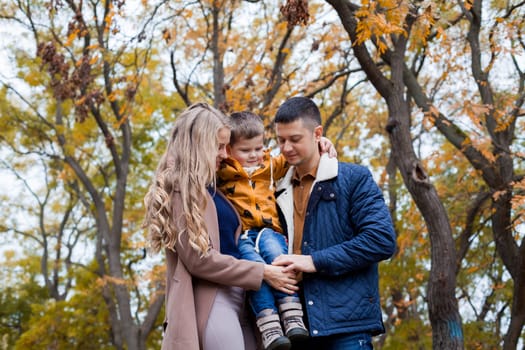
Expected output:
{"points": [[295, 262]]}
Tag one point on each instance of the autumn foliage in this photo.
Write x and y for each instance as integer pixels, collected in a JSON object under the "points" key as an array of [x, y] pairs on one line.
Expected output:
{"points": [[428, 94]]}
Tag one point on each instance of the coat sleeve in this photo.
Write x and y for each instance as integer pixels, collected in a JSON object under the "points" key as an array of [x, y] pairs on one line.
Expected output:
{"points": [[214, 266], [280, 166], [373, 238]]}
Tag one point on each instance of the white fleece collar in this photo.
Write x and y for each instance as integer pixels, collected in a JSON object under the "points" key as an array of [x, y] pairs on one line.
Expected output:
{"points": [[327, 169]]}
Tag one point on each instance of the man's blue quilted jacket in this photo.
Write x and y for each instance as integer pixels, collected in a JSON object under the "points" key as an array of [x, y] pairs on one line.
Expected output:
{"points": [[347, 231]]}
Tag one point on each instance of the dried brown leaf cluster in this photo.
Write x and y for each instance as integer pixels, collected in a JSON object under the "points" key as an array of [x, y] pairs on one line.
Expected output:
{"points": [[295, 12]]}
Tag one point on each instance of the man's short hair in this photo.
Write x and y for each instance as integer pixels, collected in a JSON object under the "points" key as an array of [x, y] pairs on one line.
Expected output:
{"points": [[297, 108], [245, 125]]}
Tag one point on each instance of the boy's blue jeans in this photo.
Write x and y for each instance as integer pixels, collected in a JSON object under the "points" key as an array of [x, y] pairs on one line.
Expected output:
{"points": [[263, 246]]}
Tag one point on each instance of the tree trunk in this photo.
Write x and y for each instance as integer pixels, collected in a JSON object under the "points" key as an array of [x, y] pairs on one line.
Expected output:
{"points": [[218, 68], [443, 307], [517, 320], [518, 307]]}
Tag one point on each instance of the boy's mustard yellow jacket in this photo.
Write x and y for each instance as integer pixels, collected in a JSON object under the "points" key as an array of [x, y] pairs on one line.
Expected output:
{"points": [[253, 196]]}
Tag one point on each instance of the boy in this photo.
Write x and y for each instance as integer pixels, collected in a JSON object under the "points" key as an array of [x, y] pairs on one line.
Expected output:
{"points": [[247, 179]]}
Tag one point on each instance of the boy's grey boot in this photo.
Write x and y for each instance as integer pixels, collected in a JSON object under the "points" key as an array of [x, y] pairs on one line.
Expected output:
{"points": [[291, 312], [271, 331]]}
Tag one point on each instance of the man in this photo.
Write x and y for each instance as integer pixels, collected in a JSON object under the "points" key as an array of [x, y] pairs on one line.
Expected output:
{"points": [[339, 229]]}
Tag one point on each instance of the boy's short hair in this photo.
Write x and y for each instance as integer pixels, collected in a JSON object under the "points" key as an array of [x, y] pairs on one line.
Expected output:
{"points": [[245, 125]]}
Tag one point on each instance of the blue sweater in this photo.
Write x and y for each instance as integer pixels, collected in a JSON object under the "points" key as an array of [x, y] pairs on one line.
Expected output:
{"points": [[228, 224]]}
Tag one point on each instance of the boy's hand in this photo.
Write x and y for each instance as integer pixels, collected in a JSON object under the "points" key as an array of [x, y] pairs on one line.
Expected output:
{"points": [[326, 146]]}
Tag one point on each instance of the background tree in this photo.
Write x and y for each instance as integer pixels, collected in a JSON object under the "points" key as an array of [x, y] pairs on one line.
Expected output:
{"points": [[254, 63], [82, 119], [391, 40], [90, 106], [19, 292], [93, 93]]}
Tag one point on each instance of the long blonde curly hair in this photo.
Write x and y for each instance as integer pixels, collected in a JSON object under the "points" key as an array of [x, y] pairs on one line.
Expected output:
{"points": [[187, 166]]}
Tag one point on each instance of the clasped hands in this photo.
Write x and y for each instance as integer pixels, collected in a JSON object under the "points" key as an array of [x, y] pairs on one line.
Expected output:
{"points": [[286, 271]]}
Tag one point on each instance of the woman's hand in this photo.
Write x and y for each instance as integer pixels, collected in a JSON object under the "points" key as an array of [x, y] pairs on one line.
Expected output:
{"points": [[278, 279]]}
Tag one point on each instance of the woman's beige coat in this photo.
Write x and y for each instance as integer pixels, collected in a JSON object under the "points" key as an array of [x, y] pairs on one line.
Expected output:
{"points": [[192, 282]]}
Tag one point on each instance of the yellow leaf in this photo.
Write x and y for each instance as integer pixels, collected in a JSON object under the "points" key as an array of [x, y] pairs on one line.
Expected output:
{"points": [[472, 269], [258, 68], [72, 37]]}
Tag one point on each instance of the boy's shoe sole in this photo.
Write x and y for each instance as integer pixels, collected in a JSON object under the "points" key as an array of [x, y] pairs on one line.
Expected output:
{"points": [[281, 343], [297, 334]]}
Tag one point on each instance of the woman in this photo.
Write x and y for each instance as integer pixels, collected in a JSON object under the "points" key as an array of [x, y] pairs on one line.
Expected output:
{"points": [[199, 229]]}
